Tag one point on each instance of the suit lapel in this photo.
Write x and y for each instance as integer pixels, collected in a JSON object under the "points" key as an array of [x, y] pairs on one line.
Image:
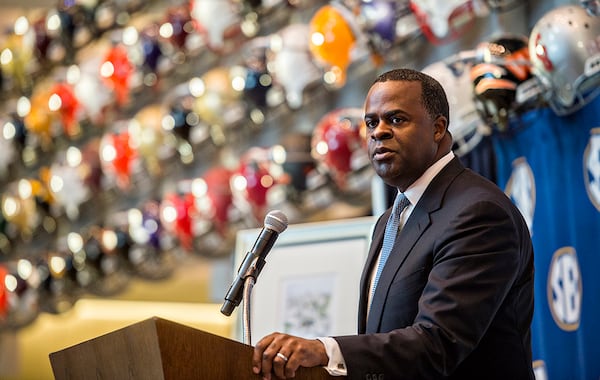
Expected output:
{"points": [[376, 242]]}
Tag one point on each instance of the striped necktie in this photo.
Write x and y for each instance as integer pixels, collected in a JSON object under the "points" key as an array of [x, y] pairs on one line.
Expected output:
{"points": [[391, 231]]}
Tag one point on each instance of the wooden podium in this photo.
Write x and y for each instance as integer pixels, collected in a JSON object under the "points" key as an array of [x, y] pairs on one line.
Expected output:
{"points": [[158, 349]]}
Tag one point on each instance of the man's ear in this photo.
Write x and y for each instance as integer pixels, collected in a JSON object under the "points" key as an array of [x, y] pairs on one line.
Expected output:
{"points": [[440, 126]]}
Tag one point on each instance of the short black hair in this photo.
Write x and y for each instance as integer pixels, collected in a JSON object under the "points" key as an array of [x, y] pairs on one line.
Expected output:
{"points": [[433, 95]]}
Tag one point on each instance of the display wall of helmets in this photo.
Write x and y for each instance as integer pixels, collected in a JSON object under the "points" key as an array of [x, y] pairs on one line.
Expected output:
{"points": [[135, 133]]}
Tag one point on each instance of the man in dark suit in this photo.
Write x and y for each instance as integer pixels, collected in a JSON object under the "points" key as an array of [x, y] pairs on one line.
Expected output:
{"points": [[455, 297]]}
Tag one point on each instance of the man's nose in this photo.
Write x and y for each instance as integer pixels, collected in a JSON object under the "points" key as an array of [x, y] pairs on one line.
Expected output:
{"points": [[381, 131]]}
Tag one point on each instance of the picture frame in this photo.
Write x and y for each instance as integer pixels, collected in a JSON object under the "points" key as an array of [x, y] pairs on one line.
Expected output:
{"points": [[309, 285]]}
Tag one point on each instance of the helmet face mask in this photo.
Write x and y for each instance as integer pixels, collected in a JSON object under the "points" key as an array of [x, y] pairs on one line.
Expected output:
{"points": [[564, 49], [504, 5]]}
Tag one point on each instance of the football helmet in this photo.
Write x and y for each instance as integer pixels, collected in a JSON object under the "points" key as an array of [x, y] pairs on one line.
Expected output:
{"points": [[564, 49], [177, 26], [501, 72], [217, 100], [177, 214], [151, 254], [66, 182], [466, 125], [18, 55], [118, 157], [216, 21], [63, 101], [9, 145], [117, 71], [333, 36], [298, 165], [338, 146], [214, 198], [218, 215], [257, 79], [89, 88], [378, 19], [291, 62], [24, 205], [387, 23], [149, 138], [40, 120], [103, 269], [254, 180], [444, 21], [19, 294], [58, 289]]}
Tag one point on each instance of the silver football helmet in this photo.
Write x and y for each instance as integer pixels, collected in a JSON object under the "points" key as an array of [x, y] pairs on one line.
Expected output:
{"points": [[564, 49]]}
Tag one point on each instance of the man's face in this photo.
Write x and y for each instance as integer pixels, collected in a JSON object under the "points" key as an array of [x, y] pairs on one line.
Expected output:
{"points": [[402, 138]]}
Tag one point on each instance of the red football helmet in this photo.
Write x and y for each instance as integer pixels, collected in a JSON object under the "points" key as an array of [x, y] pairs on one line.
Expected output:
{"points": [[118, 157], [338, 146], [64, 101], [254, 180], [177, 214], [19, 296], [117, 71]]}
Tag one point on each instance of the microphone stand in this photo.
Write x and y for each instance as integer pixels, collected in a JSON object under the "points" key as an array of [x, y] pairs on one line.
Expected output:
{"points": [[248, 285], [241, 288]]}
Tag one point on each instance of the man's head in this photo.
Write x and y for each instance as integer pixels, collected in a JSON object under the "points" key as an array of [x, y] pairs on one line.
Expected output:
{"points": [[406, 114]]}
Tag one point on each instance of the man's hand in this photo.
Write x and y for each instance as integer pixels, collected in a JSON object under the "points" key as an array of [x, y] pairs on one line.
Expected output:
{"points": [[283, 354]]}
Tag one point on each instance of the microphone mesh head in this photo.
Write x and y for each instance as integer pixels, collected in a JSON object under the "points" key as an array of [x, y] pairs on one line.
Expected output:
{"points": [[276, 221]]}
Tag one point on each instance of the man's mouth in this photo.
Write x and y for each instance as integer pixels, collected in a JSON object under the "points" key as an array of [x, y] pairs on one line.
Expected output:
{"points": [[382, 153]]}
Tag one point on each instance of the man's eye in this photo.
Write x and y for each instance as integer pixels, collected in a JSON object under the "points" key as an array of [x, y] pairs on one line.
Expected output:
{"points": [[370, 124]]}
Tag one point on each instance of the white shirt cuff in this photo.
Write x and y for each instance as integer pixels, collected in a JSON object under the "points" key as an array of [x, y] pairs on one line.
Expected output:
{"points": [[337, 364]]}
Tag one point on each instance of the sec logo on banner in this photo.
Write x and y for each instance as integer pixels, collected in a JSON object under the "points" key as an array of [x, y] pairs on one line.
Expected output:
{"points": [[565, 289], [591, 166], [521, 189]]}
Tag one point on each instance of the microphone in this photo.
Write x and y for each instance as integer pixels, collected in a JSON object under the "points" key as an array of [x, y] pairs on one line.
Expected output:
{"points": [[275, 223]]}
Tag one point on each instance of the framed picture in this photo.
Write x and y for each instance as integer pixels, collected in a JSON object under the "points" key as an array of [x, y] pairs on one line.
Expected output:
{"points": [[309, 285]]}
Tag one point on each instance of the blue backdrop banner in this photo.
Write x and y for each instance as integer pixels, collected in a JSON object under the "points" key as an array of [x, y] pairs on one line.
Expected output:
{"points": [[550, 167]]}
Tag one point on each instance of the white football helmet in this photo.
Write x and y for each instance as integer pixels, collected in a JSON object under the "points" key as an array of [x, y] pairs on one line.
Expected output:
{"points": [[466, 126]]}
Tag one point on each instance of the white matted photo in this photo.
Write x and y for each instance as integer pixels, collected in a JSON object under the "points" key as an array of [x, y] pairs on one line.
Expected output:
{"points": [[309, 285]]}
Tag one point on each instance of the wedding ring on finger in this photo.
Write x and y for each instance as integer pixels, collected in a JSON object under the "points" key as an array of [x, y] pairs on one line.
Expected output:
{"points": [[280, 355]]}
